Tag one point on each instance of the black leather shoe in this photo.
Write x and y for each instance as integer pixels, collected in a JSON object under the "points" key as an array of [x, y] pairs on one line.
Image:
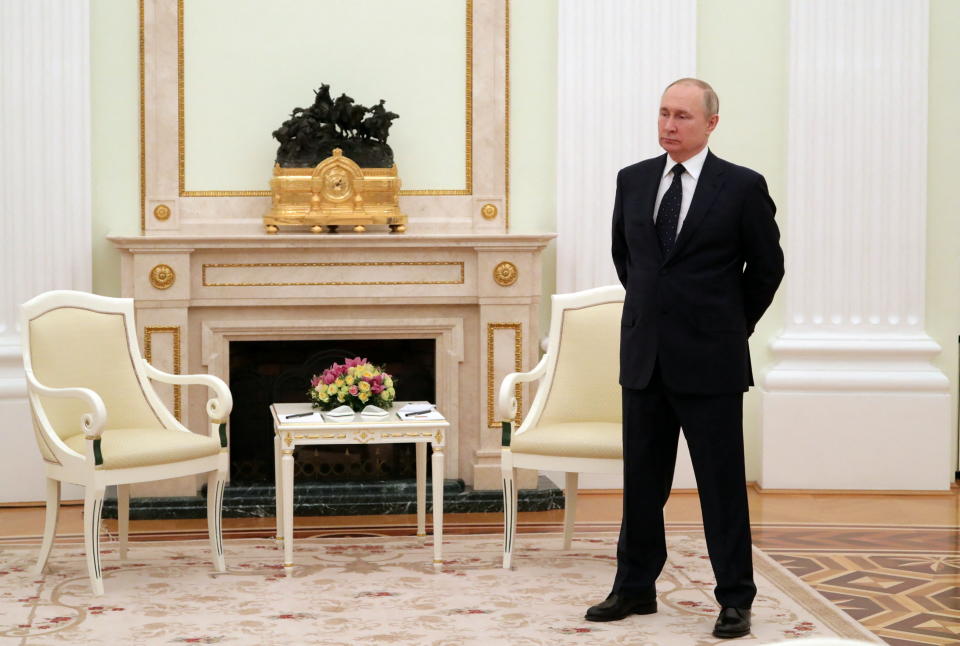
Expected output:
{"points": [[616, 607], [732, 622]]}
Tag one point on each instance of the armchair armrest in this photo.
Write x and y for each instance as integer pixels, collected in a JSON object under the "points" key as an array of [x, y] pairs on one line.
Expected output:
{"points": [[218, 408], [91, 423], [507, 403]]}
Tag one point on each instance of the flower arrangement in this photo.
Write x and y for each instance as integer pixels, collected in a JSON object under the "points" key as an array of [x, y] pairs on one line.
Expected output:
{"points": [[356, 382]]}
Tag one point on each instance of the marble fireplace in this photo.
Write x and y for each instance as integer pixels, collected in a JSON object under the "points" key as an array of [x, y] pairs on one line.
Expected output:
{"points": [[205, 276], [197, 295]]}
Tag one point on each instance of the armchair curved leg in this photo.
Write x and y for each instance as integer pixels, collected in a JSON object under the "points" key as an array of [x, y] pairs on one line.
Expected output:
{"points": [[92, 506], [215, 483], [49, 524], [123, 518], [509, 507], [572, 483]]}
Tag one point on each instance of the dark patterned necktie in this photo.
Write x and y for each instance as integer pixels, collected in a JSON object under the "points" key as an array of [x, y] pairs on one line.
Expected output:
{"points": [[669, 214]]}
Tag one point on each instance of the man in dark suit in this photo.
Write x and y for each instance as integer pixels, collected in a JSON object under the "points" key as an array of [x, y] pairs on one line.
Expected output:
{"points": [[697, 249]]}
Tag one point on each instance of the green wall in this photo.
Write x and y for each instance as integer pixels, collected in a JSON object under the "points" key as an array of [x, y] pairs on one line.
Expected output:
{"points": [[752, 132], [742, 51], [115, 137], [943, 199]]}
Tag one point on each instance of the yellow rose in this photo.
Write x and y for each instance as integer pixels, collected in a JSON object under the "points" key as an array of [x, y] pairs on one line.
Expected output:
{"points": [[389, 394], [349, 380], [324, 397], [363, 397], [332, 389], [341, 398], [339, 381], [364, 386], [388, 382]]}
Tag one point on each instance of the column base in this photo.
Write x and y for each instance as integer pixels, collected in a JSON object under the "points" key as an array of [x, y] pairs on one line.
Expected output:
{"points": [[856, 413]]}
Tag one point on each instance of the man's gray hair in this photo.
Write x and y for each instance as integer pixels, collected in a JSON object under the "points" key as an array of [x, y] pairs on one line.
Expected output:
{"points": [[710, 99]]}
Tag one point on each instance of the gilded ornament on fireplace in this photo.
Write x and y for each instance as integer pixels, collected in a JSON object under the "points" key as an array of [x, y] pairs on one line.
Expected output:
{"points": [[337, 193], [162, 277], [505, 274], [161, 212], [488, 211]]}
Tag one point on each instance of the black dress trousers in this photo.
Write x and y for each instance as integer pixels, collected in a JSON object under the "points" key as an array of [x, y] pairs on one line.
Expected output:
{"points": [[713, 427]]}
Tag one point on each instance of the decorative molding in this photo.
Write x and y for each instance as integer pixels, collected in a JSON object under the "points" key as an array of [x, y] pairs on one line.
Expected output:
{"points": [[148, 333], [162, 212], [432, 211], [506, 121], [468, 126], [614, 59], [517, 328], [455, 264], [45, 103], [505, 274], [488, 211], [162, 277], [853, 353]]}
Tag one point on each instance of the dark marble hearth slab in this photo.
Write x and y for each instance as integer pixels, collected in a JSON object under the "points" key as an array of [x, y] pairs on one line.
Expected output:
{"points": [[339, 499]]}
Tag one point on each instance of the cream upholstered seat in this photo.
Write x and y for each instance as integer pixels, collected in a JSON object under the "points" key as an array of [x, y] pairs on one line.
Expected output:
{"points": [[574, 423], [99, 422]]}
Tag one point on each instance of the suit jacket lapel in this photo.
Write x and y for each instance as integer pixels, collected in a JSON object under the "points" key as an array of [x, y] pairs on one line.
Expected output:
{"points": [[708, 186]]}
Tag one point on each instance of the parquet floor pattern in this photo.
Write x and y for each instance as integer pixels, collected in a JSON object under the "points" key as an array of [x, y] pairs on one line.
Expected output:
{"points": [[901, 582]]}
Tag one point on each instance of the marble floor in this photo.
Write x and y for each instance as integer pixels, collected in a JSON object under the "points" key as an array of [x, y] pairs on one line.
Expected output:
{"points": [[891, 561]]}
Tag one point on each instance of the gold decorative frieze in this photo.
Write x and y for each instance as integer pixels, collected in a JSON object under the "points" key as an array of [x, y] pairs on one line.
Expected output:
{"points": [[162, 277], [517, 328], [148, 333], [505, 274], [312, 273], [161, 212], [488, 211]]}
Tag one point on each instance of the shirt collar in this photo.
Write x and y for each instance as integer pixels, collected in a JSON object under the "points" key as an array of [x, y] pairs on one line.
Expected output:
{"points": [[693, 166]]}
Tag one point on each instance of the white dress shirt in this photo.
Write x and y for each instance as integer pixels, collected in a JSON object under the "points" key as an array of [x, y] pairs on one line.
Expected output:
{"points": [[688, 183]]}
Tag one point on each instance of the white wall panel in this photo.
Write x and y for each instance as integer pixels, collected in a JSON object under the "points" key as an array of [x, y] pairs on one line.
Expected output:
{"points": [[614, 60], [853, 352], [44, 191]]}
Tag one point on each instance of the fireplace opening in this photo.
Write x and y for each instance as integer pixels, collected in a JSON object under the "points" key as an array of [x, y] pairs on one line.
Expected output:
{"points": [[267, 372]]}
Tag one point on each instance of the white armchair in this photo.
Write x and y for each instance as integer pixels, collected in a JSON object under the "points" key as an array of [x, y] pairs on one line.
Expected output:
{"points": [[574, 423], [99, 422]]}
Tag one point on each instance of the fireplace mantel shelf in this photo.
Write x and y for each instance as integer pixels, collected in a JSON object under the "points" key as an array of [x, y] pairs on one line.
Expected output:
{"points": [[339, 240]]}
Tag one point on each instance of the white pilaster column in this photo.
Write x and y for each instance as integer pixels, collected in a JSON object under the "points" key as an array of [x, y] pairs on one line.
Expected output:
{"points": [[44, 193], [614, 60], [853, 401]]}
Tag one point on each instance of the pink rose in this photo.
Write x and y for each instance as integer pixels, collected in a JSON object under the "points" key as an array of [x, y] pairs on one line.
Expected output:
{"points": [[354, 390]]}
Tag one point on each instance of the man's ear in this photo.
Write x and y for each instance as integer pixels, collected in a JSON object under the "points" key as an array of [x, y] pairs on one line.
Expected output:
{"points": [[712, 122]]}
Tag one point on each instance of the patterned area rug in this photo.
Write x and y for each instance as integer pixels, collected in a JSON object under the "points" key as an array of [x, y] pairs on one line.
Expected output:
{"points": [[385, 590]]}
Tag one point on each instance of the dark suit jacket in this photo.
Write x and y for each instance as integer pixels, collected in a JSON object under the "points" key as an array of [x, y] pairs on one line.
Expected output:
{"points": [[695, 309]]}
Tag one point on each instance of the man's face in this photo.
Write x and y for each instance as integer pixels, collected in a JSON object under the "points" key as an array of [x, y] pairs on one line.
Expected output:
{"points": [[684, 126]]}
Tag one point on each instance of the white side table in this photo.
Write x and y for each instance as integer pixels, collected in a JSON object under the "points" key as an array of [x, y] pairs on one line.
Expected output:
{"points": [[392, 430]]}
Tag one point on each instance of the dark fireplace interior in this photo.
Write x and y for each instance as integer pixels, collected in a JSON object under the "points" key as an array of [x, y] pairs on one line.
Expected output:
{"points": [[266, 372]]}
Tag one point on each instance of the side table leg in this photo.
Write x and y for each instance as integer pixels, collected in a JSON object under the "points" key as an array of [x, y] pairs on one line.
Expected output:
{"points": [[278, 483], [421, 489], [437, 505], [287, 489]]}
